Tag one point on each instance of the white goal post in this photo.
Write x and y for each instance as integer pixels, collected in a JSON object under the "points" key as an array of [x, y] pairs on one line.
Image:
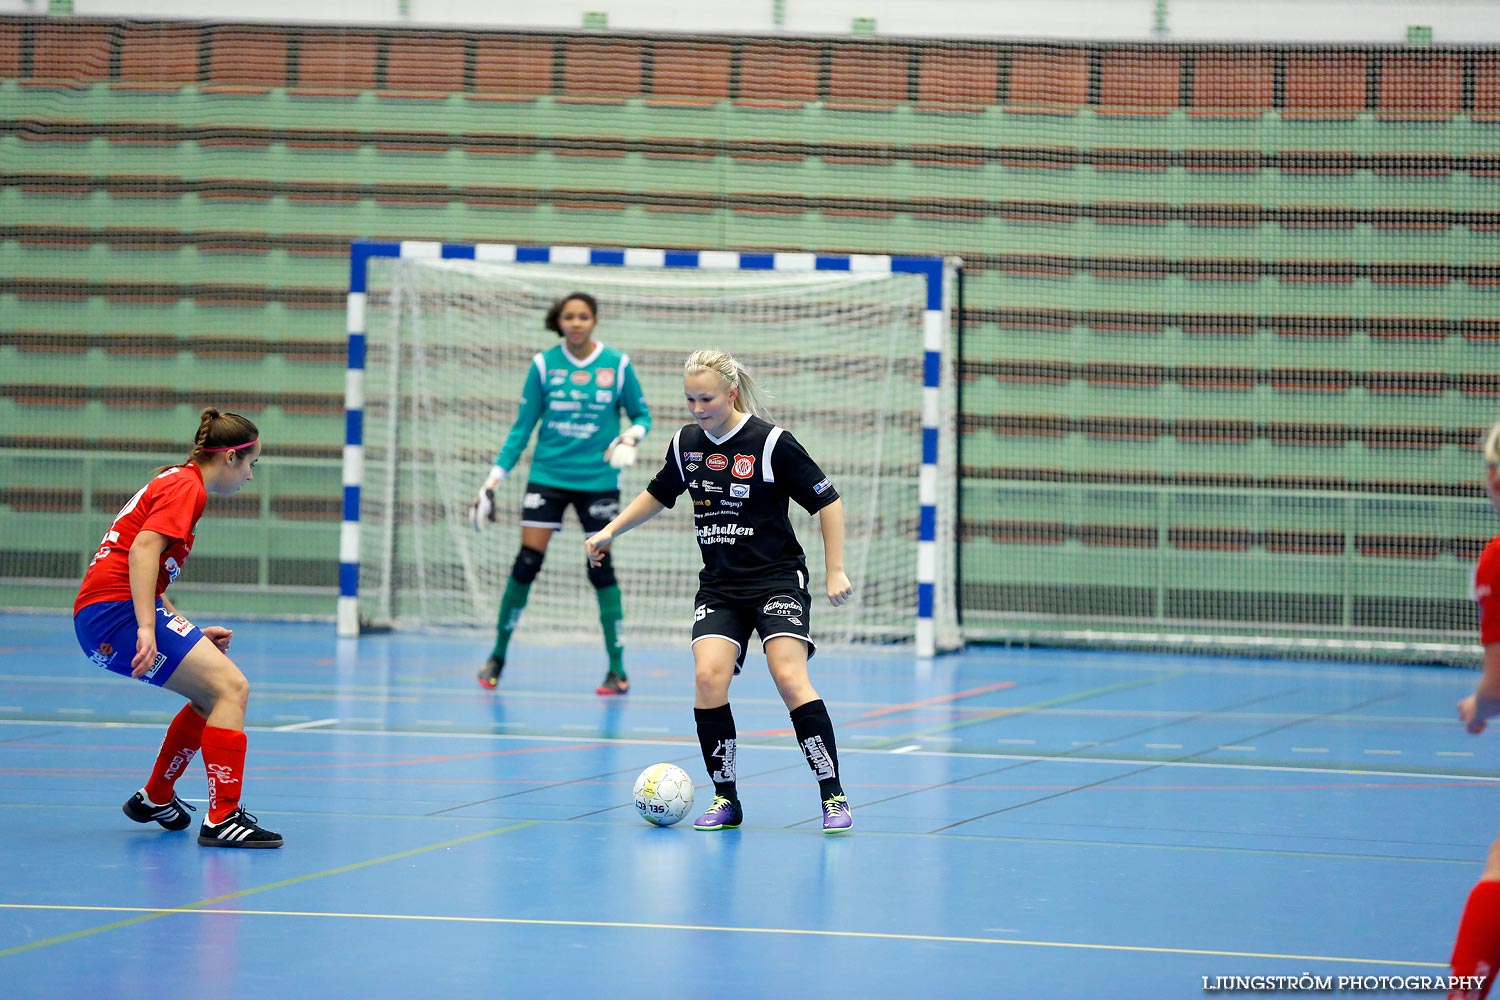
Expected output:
{"points": [[854, 352]]}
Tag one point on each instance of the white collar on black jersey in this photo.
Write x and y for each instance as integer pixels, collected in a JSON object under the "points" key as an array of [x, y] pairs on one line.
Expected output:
{"points": [[732, 431]]}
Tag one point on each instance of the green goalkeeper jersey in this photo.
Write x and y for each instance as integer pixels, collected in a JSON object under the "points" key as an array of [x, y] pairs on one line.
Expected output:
{"points": [[578, 404]]}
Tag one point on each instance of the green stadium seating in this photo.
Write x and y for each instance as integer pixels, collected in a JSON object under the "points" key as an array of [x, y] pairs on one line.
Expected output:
{"points": [[1229, 270]]}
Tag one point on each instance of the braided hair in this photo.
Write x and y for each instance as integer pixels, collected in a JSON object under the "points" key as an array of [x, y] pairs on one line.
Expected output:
{"points": [[217, 432]]}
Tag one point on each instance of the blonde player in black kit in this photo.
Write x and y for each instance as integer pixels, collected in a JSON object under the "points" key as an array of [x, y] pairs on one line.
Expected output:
{"points": [[740, 470]]}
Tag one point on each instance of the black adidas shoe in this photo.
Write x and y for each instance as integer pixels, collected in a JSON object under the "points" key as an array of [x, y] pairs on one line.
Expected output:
{"points": [[172, 816], [489, 674], [239, 829]]}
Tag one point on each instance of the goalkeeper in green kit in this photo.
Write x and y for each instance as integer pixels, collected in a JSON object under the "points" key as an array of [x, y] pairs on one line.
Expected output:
{"points": [[577, 391]]}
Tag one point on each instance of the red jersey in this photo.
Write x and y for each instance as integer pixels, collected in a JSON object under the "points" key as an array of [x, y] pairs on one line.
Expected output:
{"points": [[1487, 592], [169, 505]]}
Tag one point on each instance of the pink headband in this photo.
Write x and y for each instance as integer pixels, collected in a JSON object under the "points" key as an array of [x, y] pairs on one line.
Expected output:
{"points": [[233, 447]]}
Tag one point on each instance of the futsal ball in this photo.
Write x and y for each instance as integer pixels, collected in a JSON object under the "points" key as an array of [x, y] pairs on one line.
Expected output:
{"points": [[663, 794]]}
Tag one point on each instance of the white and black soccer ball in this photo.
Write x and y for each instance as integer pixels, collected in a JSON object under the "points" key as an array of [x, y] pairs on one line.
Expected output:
{"points": [[663, 794]]}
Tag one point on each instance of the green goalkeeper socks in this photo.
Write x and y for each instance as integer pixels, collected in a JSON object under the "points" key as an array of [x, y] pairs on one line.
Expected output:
{"points": [[511, 606], [611, 614]]}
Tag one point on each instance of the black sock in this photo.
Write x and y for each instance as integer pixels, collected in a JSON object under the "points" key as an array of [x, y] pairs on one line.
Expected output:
{"points": [[717, 741], [815, 736]]}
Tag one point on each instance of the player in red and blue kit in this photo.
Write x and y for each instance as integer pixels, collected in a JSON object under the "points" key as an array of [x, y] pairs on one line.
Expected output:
{"points": [[741, 471], [1476, 953], [126, 625]]}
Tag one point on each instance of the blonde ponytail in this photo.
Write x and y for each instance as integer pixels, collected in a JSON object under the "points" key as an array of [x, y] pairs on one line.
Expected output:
{"points": [[735, 375], [1491, 446]]}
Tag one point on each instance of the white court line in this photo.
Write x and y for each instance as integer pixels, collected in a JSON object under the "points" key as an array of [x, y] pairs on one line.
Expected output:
{"points": [[1163, 746], [1385, 753], [1020, 743], [1455, 753], [11, 708], [1235, 746], [1344, 772], [76, 711], [436, 722], [906, 749], [304, 725], [651, 729], [1309, 749]]}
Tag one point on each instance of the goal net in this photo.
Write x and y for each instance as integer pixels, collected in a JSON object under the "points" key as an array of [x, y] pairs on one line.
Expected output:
{"points": [[448, 343]]}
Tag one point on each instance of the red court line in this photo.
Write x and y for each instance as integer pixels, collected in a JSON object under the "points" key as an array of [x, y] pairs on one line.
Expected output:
{"points": [[939, 699], [909, 706], [443, 759], [101, 772]]}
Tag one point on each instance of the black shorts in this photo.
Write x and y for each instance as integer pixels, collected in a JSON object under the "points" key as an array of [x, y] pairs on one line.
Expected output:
{"points": [[543, 507], [779, 611]]}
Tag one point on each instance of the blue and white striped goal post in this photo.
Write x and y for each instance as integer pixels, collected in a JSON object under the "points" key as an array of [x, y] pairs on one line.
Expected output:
{"points": [[934, 317]]}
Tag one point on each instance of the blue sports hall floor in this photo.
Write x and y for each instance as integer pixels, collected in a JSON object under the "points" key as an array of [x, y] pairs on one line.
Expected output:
{"points": [[1028, 823]]}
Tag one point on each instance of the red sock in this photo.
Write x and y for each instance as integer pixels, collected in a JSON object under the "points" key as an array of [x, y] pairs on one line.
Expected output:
{"points": [[184, 737], [1477, 950], [224, 759]]}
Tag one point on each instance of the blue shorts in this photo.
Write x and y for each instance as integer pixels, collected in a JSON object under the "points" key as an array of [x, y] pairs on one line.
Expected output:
{"points": [[106, 631]]}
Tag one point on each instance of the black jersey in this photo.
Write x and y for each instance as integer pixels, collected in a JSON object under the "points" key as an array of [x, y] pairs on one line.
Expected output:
{"points": [[740, 485]]}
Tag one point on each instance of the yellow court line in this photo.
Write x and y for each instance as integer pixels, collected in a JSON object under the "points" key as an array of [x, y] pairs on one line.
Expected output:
{"points": [[157, 913], [789, 931]]}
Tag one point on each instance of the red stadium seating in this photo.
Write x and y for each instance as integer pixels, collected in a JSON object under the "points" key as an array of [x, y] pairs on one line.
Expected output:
{"points": [[1232, 84], [335, 64], [867, 77], [778, 74], [75, 55], [1420, 87], [1486, 88], [601, 71], [10, 50], [246, 60], [689, 73], [1048, 81], [1136, 83], [958, 78], [158, 57], [1325, 85], [423, 66], [513, 69]]}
